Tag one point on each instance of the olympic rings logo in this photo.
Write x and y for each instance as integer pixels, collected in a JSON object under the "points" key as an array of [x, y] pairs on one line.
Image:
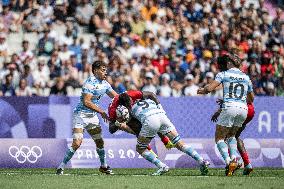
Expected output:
{"points": [[25, 153]]}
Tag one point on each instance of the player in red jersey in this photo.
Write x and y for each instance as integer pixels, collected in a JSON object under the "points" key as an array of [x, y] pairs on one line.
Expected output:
{"points": [[222, 64], [133, 125]]}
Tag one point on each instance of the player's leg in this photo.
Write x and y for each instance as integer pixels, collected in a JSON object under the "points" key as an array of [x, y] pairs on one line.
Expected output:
{"points": [[95, 132], [76, 143], [167, 142], [148, 131], [244, 154], [240, 144], [78, 129], [169, 130], [141, 148]]}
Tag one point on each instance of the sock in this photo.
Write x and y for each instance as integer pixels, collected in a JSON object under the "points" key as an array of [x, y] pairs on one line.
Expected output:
{"points": [[69, 154], [152, 158], [232, 143], [101, 153], [223, 149], [192, 153], [245, 158], [248, 166], [165, 140]]}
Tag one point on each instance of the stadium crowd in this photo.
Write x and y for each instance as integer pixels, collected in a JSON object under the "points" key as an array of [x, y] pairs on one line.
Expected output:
{"points": [[169, 47]]}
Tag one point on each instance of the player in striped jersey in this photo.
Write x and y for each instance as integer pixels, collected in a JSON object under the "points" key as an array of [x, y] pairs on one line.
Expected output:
{"points": [[222, 64], [154, 120], [237, 92], [85, 116]]}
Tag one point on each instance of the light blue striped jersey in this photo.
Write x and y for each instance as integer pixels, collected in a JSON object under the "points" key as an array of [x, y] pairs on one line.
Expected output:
{"points": [[97, 88], [143, 108], [236, 85]]}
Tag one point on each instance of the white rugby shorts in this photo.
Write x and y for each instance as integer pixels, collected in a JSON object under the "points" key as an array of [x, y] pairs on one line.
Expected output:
{"points": [[86, 121], [155, 123], [232, 116]]}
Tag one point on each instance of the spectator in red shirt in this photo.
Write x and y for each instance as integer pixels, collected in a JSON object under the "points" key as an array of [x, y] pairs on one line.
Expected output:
{"points": [[161, 62]]}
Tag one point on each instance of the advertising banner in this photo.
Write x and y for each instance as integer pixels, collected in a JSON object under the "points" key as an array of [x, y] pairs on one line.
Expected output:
{"points": [[121, 153], [51, 117], [31, 153]]}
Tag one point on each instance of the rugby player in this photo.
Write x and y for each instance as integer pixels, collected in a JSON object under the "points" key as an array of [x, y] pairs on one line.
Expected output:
{"points": [[222, 64], [237, 89], [85, 115], [134, 126], [154, 120]]}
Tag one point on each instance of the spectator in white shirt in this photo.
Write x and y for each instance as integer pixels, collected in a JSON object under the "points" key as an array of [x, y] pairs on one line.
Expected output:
{"points": [[46, 11], [165, 90], [149, 86], [26, 53], [23, 89], [41, 75], [190, 88]]}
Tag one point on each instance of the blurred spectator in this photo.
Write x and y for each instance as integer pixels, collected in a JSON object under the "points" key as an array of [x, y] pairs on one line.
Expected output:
{"points": [[41, 75], [165, 89], [138, 26], [149, 9], [46, 11], [27, 76], [270, 89], [143, 42], [176, 89], [84, 12], [99, 23], [23, 89], [149, 86], [122, 25], [190, 88], [9, 19], [3, 45], [7, 88], [34, 22], [25, 53], [59, 88], [45, 44], [117, 83], [161, 63]]}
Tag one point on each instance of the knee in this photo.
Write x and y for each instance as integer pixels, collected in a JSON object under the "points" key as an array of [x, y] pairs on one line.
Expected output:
{"points": [[140, 149]]}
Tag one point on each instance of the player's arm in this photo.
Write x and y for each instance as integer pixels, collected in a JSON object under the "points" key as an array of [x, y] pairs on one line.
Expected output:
{"points": [[213, 85], [250, 97], [215, 116], [209, 88], [87, 100], [112, 127], [150, 95], [124, 127], [250, 94], [111, 93]]}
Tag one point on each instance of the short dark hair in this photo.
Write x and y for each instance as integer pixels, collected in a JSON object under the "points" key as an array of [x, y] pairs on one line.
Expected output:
{"points": [[222, 63], [124, 100], [97, 65]]}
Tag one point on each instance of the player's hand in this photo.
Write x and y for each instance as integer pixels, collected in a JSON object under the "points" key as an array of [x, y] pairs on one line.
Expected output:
{"points": [[105, 117], [201, 91], [219, 101], [215, 116]]}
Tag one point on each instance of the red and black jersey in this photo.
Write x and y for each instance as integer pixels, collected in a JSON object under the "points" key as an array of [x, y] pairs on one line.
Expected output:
{"points": [[133, 94]]}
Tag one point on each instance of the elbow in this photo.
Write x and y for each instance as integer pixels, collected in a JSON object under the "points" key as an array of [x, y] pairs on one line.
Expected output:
{"points": [[86, 103]]}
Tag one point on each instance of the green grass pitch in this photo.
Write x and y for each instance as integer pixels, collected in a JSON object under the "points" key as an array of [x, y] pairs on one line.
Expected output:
{"points": [[138, 178]]}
